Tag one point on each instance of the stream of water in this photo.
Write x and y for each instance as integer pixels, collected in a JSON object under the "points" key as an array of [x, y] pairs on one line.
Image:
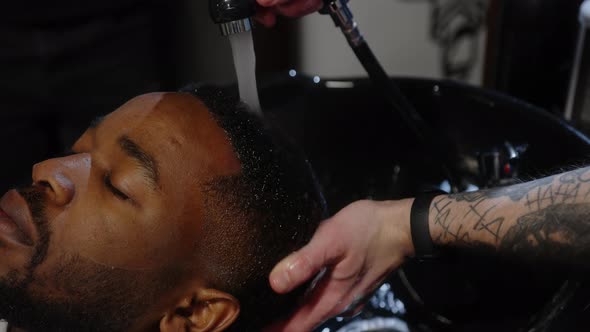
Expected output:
{"points": [[242, 46]]}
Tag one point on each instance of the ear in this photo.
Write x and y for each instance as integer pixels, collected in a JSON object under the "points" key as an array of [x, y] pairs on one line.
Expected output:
{"points": [[207, 310]]}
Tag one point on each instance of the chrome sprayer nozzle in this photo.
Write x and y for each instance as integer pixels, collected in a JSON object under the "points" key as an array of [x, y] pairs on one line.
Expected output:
{"points": [[229, 28], [233, 16]]}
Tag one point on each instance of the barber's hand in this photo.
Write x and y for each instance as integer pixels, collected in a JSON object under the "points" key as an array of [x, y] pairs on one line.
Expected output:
{"points": [[269, 9], [360, 246]]}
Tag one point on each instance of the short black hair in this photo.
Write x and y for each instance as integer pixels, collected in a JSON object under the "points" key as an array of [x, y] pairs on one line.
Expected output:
{"points": [[256, 218]]}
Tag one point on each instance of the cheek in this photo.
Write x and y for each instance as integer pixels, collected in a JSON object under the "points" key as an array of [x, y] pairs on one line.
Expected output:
{"points": [[124, 240]]}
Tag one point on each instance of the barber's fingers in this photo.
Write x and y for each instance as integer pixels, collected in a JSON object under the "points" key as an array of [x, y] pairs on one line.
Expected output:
{"points": [[297, 268], [266, 16], [298, 8], [333, 297], [299, 3], [272, 3], [306, 263], [325, 301], [268, 10], [293, 271]]}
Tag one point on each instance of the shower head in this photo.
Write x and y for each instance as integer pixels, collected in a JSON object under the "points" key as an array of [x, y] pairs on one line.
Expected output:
{"points": [[232, 16]]}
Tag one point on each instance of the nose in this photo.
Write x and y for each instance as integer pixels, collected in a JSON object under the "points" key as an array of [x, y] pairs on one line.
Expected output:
{"points": [[61, 176]]}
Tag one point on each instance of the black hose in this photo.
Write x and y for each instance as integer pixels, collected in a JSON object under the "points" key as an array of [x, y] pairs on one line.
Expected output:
{"points": [[400, 105], [391, 92]]}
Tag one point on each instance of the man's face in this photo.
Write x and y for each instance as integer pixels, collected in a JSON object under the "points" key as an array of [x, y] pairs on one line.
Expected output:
{"points": [[118, 220]]}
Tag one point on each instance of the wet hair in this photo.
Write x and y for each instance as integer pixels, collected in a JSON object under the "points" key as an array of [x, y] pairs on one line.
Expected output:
{"points": [[256, 218]]}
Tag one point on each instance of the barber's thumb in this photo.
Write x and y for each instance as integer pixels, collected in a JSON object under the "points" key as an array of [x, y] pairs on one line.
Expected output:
{"points": [[293, 271], [266, 17]]}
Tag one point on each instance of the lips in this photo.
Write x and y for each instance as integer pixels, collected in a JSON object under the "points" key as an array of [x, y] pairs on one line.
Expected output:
{"points": [[16, 221]]}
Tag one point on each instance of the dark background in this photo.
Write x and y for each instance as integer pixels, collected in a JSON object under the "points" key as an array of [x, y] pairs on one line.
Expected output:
{"points": [[64, 62]]}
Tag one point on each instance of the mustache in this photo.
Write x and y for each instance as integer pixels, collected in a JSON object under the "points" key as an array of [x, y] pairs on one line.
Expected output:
{"points": [[35, 198], [36, 201]]}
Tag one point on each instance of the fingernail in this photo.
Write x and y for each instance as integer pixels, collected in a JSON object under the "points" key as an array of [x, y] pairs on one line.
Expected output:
{"points": [[294, 270], [281, 283]]}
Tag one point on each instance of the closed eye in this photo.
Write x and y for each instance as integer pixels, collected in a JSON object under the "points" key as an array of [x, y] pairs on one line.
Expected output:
{"points": [[118, 193]]}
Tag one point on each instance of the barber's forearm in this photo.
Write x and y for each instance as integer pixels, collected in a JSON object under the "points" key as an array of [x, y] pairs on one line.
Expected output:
{"points": [[545, 219]]}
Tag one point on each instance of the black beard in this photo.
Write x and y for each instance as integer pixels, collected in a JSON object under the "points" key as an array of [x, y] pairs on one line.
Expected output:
{"points": [[97, 298], [16, 304], [36, 204]]}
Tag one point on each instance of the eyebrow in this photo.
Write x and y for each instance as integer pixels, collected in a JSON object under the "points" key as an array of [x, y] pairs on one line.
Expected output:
{"points": [[145, 160]]}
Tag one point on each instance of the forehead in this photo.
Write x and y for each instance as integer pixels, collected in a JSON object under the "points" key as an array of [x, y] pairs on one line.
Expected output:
{"points": [[177, 129]]}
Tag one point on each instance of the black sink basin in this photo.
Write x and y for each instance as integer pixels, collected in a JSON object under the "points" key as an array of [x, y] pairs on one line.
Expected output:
{"points": [[360, 149]]}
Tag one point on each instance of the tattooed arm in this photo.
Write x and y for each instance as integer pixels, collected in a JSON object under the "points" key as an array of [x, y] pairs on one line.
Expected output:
{"points": [[546, 219]]}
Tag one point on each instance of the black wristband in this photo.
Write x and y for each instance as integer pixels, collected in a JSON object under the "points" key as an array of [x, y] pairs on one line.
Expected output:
{"points": [[423, 245]]}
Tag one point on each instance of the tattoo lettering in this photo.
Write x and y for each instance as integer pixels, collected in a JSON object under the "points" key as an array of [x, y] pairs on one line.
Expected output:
{"points": [[547, 219], [444, 220], [455, 231], [552, 194], [517, 192], [484, 223]]}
